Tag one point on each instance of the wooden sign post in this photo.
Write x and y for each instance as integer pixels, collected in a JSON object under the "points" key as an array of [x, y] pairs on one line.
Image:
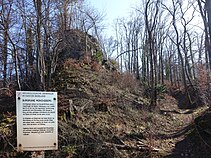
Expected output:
{"points": [[37, 122]]}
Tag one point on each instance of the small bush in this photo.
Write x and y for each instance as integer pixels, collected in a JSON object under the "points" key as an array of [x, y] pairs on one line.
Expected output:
{"points": [[95, 66], [70, 151], [161, 90], [71, 63], [201, 88], [98, 56], [127, 81]]}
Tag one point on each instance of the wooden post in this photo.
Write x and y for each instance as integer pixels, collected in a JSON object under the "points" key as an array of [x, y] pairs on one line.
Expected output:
{"points": [[38, 154]]}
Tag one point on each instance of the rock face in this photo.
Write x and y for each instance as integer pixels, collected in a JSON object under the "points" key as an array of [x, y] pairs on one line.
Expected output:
{"points": [[77, 44]]}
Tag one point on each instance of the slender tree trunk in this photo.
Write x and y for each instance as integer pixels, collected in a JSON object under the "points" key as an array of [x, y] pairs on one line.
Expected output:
{"points": [[16, 67], [5, 54], [208, 9], [180, 53], [29, 49], [40, 65], [144, 63], [192, 58]]}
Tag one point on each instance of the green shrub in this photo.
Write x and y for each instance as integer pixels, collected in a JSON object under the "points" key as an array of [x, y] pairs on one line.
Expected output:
{"points": [[161, 89], [98, 56], [70, 150]]}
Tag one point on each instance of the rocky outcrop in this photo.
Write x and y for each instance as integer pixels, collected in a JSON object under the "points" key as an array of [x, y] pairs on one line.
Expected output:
{"points": [[77, 44]]}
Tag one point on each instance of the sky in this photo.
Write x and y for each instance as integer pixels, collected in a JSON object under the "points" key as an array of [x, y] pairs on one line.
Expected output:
{"points": [[113, 9]]}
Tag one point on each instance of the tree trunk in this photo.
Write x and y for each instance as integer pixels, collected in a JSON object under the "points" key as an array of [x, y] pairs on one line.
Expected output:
{"points": [[208, 9], [5, 54], [29, 49], [40, 61]]}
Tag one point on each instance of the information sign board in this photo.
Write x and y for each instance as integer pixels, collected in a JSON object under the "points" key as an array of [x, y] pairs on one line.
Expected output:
{"points": [[37, 122]]}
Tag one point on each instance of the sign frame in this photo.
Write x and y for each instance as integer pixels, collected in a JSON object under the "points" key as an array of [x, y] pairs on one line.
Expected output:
{"points": [[37, 120]]}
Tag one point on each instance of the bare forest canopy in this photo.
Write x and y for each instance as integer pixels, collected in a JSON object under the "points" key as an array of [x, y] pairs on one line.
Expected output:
{"points": [[162, 42]]}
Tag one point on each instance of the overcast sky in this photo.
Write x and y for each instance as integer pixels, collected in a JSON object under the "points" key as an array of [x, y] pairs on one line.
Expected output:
{"points": [[113, 9]]}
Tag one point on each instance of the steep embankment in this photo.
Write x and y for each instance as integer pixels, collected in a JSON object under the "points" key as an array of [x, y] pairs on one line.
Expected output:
{"points": [[107, 121]]}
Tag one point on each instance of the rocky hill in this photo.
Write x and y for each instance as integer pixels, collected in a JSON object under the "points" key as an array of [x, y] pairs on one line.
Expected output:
{"points": [[107, 107], [76, 44]]}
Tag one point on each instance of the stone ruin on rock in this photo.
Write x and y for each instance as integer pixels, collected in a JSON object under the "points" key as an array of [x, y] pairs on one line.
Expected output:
{"points": [[77, 45]]}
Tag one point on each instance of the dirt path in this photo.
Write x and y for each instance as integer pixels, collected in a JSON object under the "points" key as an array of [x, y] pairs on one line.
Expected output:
{"points": [[172, 127]]}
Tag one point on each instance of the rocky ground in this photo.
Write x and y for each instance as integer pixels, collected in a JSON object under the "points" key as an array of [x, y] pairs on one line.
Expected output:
{"points": [[110, 118]]}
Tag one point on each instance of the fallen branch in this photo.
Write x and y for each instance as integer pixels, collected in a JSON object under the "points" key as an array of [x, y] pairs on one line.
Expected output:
{"points": [[7, 140], [132, 147], [176, 111]]}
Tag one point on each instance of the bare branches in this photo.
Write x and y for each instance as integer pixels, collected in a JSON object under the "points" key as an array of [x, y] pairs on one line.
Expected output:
{"points": [[127, 51]]}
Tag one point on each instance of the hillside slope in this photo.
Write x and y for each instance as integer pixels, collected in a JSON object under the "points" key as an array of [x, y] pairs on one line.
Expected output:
{"points": [[108, 108], [103, 114]]}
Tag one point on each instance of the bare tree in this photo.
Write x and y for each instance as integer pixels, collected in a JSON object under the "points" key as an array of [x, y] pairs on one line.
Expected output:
{"points": [[5, 15], [151, 23], [205, 10], [173, 13]]}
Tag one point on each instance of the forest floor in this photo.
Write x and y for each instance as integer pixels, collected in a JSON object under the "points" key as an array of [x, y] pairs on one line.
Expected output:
{"points": [[177, 132], [112, 119]]}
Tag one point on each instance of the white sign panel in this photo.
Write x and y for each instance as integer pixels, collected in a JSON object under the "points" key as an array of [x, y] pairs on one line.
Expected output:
{"points": [[37, 124]]}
